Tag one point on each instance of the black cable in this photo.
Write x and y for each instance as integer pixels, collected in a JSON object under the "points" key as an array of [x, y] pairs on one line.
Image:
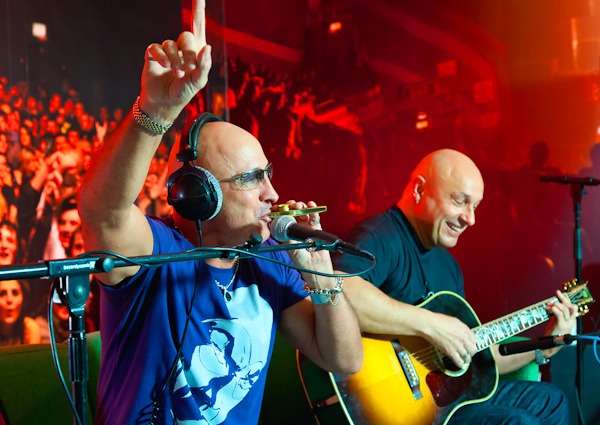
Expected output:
{"points": [[155, 403], [53, 349], [155, 406], [199, 228], [292, 266], [237, 251]]}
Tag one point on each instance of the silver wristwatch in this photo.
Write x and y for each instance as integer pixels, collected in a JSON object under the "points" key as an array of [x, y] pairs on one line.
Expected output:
{"points": [[539, 358]]}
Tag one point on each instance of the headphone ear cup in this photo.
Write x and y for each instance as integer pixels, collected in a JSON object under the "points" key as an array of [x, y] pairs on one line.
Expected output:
{"points": [[194, 193]]}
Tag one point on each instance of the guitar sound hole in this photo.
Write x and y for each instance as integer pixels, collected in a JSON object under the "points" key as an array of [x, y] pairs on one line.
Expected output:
{"points": [[448, 364], [444, 363]]}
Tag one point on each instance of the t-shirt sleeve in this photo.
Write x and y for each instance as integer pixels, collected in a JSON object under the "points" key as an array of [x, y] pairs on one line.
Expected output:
{"points": [[165, 240], [371, 239]]}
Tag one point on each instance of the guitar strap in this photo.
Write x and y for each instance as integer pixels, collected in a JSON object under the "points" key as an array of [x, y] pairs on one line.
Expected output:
{"points": [[428, 293]]}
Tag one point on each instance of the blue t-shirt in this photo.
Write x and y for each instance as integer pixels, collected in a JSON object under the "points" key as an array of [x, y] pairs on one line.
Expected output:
{"points": [[405, 269], [220, 375]]}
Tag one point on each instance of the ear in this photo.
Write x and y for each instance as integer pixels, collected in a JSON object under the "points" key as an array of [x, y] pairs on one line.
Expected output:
{"points": [[418, 188]]}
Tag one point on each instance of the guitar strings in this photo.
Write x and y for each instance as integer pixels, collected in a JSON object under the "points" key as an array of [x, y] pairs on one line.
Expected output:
{"points": [[429, 355]]}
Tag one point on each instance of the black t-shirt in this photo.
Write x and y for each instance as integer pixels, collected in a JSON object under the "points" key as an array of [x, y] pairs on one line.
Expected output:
{"points": [[9, 194], [405, 270]]}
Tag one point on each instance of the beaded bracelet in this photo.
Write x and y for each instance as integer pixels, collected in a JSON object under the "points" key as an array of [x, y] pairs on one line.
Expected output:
{"points": [[328, 295], [148, 123]]}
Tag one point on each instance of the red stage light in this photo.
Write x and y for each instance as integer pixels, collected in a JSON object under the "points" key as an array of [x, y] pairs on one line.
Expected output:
{"points": [[335, 27]]}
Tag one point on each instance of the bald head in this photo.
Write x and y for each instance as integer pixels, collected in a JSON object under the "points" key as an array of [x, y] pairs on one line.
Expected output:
{"points": [[441, 196], [446, 164], [219, 144]]}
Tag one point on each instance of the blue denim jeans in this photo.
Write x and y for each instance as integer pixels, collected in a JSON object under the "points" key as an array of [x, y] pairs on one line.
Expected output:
{"points": [[517, 403]]}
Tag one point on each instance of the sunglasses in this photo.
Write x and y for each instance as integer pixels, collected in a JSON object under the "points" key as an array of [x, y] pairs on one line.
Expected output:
{"points": [[251, 179]]}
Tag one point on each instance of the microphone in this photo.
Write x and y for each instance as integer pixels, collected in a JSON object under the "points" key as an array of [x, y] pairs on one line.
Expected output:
{"points": [[542, 343], [285, 228]]}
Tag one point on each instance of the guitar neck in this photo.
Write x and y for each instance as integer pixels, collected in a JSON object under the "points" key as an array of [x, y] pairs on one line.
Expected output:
{"points": [[512, 324]]}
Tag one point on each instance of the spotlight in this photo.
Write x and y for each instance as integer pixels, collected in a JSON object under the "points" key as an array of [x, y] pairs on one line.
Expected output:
{"points": [[335, 27], [38, 30], [422, 122]]}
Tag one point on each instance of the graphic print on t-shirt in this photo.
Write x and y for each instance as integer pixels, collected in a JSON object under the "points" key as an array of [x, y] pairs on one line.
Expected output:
{"points": [[223, 369]]}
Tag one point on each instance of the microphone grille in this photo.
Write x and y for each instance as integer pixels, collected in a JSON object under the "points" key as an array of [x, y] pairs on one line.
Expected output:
{"points": [[279, 227]]}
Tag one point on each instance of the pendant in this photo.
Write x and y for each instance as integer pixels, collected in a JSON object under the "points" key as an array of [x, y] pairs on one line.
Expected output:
{"points": [[227, 296]]}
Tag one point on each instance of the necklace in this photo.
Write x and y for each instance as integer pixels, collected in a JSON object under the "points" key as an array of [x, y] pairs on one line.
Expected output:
{"points": [[227, 295]]}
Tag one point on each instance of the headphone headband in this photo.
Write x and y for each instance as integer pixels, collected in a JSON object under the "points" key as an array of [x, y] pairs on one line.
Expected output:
{"points": [[187, 151]]}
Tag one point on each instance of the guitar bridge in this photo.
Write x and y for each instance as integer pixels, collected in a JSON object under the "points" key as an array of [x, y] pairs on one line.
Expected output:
{"points": [[412, 378]]}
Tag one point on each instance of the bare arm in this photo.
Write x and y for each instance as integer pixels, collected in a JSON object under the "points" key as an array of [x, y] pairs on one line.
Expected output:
{"points": [[327, 334], [173, 73], [380, 314], [106, 201]]}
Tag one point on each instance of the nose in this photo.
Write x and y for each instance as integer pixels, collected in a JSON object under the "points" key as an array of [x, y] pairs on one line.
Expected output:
{"points": [[269, 192], [468, 217]]}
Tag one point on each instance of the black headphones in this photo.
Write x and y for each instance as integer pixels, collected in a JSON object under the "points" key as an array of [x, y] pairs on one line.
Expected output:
{"points": [[193, 191]]}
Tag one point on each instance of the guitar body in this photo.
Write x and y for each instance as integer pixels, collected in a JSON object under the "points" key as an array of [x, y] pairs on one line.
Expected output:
{"points": [[322, 393], [404, 380], [381, 393]]}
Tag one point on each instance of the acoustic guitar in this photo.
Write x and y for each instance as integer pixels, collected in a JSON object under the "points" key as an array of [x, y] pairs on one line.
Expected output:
{"points": [[405, 380]]}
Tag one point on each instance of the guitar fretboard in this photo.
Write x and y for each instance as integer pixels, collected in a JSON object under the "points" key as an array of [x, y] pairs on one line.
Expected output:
{"points": [[512, 324]]}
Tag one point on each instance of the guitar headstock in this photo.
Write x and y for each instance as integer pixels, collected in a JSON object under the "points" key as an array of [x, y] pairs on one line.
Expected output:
{"points": [[579, 294]]}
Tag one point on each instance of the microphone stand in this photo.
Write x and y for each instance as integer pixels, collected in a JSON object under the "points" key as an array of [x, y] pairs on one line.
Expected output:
{"points": [[577, 191], [74, 292], [74, 288]]}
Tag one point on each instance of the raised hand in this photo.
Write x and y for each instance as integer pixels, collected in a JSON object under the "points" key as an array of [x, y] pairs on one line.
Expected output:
{"points": [[174, 71]]}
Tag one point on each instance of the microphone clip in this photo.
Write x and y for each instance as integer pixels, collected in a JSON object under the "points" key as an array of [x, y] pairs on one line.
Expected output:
{"points": [[251, 245], [319, 245]]}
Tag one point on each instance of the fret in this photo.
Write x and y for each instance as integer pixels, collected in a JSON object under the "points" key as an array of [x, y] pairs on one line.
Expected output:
{"points": [[496, 332], [507, 326], [514, 326], [525, 319], [542, 313], [514, 323], [503, 328], [519, 323], [539, 312]]}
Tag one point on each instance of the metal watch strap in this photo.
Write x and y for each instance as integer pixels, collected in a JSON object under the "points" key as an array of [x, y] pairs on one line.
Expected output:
{"points": [[148, 123], [540, 359]]}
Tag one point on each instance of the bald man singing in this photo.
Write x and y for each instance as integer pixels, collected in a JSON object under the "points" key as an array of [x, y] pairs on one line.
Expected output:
{"points": [[190, 342], [400, 297]]}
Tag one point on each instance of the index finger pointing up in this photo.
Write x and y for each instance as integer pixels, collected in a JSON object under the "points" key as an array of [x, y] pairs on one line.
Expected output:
{"points": [[199, 21]]}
